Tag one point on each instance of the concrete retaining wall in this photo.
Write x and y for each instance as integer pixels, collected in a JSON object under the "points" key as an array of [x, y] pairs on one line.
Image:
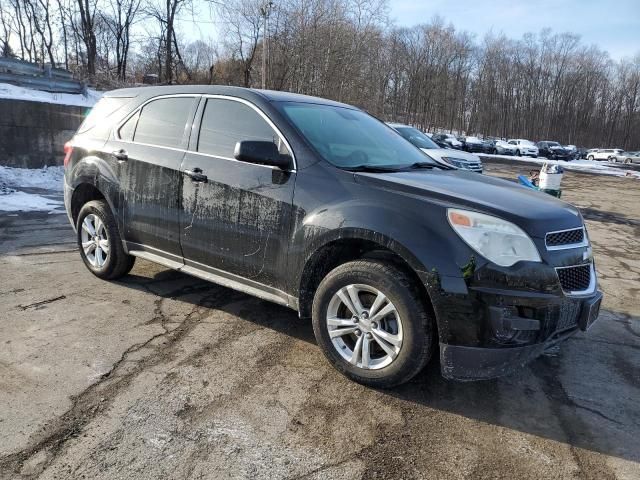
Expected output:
{"points": [[33, 134]]}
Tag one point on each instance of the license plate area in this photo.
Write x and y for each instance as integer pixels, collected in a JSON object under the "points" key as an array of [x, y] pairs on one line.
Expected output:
{"points": [[590, 312]]}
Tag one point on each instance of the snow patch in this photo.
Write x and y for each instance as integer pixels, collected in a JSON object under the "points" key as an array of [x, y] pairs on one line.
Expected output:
{"points": [[20, 93], [590, 166], [28, 202], [12, 180], [49, 178]]}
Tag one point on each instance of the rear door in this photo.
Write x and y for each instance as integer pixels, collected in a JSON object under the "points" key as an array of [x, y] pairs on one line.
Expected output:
{"points": [[149, 147], [238, 220]]}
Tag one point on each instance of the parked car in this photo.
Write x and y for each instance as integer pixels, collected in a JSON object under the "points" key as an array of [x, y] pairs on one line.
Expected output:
{"points": [[456, 158], [524, 147], [582, 153], [503, 148], [473, 144], [447, 139], [626, 157], [553, 150], [320, 207], [604, 153], [573, 151]]}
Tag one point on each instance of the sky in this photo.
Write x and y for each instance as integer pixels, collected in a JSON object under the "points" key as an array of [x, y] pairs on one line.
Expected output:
{"points": [[612, 25]]}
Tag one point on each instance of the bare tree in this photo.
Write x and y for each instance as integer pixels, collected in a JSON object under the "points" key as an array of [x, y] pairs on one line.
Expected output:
{"points": [[123, 15]]}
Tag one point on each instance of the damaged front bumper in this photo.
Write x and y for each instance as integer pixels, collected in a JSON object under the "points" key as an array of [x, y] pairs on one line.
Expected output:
{"points": [[461, 362]]}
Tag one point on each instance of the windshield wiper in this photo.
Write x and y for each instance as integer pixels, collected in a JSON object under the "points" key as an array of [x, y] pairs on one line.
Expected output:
{"points": [[423, 165], [370, 168]]}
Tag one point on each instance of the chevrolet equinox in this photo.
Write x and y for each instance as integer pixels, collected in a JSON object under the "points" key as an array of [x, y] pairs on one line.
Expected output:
{"points": [[320, 207]]}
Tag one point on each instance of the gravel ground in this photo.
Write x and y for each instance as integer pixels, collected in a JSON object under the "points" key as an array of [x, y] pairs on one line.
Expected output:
{"points": [[161, 375]]}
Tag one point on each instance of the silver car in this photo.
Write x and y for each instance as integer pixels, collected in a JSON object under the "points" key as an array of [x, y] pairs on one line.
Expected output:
{"points": [[626, 157], [448, 156]]}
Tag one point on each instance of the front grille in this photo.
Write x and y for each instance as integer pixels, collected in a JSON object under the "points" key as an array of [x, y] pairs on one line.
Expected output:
{"points": [[575, 279], [566, 237]]}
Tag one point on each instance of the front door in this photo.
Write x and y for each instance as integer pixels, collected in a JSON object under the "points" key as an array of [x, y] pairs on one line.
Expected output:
{"points": [[236, 220]]}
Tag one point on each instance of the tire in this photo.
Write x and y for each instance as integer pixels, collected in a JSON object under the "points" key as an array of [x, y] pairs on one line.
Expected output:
{"points": [[96, 215], [627, 161], [590, 157], [408, 324], [518, 153]]}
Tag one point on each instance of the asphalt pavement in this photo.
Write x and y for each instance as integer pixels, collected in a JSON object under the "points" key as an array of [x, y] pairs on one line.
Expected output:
{"points": [[161, 375]]}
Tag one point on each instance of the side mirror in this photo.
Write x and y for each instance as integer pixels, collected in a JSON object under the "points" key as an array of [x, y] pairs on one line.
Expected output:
{"points": [[262, 153]]}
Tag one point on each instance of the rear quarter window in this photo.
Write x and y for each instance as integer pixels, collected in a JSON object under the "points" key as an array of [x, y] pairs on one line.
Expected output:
{"points": [[102, 110]]}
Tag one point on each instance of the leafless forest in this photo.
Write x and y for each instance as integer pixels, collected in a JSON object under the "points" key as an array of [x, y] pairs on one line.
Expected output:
{"points": [[545, 85]]}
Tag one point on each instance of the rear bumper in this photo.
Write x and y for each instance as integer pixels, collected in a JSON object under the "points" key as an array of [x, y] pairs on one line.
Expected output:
{"points": [[68, 192]]}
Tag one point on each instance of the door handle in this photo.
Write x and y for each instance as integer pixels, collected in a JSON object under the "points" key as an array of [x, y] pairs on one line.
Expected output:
{"points": [[121, 155], [196, 175]]}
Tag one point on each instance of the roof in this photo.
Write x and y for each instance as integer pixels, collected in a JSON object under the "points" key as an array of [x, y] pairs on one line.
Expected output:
{"points": [[246, 93]]}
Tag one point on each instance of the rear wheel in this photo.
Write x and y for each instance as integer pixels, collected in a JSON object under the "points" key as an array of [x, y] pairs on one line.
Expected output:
{"points": [[372, 324], [517, 153], [100, 243]]}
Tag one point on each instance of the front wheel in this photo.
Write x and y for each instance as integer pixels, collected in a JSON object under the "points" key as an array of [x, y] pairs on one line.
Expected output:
{"points": [[372, 324], [627, 161], [517, 153], [590, 157], [100, 243]]}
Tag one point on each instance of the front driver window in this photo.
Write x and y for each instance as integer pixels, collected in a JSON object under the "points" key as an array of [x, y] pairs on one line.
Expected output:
{"points": [[226, 122]]}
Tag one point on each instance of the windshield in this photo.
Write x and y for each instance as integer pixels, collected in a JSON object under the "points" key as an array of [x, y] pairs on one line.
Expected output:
{"points": [[350, 138], [416, 137], [553, 144], [527, 142]]}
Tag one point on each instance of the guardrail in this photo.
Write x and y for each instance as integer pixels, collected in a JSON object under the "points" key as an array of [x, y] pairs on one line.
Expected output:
{"points": [[31, 75]]}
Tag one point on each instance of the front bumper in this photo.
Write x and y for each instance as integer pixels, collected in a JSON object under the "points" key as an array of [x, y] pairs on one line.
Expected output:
{"points": [[462, 363]]}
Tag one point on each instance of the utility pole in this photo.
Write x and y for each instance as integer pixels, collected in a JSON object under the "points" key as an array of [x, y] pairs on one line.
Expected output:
{"points": [[265, 11]]}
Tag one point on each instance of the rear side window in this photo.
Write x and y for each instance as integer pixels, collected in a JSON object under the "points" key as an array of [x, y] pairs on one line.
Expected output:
{"points": [[226, 122], [162, 122]]}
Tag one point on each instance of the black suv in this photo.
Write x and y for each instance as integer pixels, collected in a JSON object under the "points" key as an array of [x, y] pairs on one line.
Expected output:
{"points": [[554, 150], [318, 206]]}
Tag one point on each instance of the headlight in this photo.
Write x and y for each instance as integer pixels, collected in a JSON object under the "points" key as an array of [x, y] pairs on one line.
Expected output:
{"points": [[499, 241], [455, 162]]}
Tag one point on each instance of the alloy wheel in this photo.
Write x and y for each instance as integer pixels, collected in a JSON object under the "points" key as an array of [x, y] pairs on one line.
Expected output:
{"points": [[364, 326], [95, 240]]}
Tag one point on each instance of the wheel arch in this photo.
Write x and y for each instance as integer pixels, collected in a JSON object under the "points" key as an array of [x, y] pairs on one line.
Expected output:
{"points": [[92, 178], [356, 245], [83, 193]]}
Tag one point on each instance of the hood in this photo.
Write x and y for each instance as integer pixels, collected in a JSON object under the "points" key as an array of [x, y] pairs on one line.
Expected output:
{"points": [[438, 153], [535, 212]]}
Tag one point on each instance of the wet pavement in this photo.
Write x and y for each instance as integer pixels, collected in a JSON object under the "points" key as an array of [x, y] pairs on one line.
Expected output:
{"points": [[161, 375]]}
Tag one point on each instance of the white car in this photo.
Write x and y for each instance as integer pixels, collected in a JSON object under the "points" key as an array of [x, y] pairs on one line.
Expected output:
{"points": [[504, 148], [524, 147], [449, 156], [604, 154]]}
